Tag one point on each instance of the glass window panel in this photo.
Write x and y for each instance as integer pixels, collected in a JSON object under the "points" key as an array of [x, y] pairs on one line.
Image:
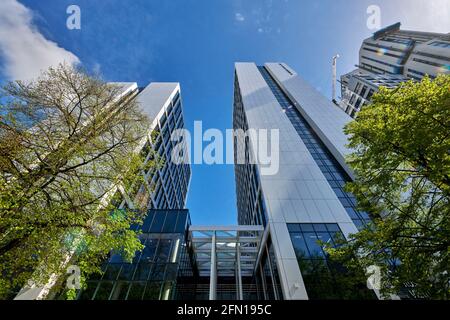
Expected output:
{"points": [[158, 222], [104, 290], [299, 244], [314, 248], [158, 272], [148, 253], [345, 202], [181, 222], [163, 251], [306, 227], [137, 256], [352, 213], [167, 290], [112, 271], [171, 220], [333, 227], [136, 291], [358, 223], [127, 271], [324, 237], [147, 222], [293, 227], [171, 271], [88, 293], [152, 291], [320, 227], [338, 192], [142, 271], [364, 215], [120, 290]]}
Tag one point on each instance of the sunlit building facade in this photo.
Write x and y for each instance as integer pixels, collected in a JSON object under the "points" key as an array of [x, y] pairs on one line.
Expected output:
{"points": [[153, 272], [392, 56], [304, 202]]}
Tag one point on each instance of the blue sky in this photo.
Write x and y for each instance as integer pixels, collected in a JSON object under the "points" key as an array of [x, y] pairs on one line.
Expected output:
{"points": [[196, 42]]}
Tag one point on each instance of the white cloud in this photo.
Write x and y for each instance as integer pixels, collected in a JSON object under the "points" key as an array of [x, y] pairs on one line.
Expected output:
{"points": [[431, 16], [239, 17], [23, 49]]}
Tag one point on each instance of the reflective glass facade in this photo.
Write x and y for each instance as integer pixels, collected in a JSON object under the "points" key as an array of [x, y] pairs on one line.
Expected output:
{"points": [[153, 273], [323, 279]]}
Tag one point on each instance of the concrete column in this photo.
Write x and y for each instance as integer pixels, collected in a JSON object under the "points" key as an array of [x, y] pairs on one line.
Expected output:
{"points": [[239, 274], [213, 272]]}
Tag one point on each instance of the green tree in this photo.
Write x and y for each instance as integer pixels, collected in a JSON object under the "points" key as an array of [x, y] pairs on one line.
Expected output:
{"points": [[67, 153], [401, 158]]}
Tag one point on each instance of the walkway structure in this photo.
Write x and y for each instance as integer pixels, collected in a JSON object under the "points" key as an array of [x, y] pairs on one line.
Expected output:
{"points": [[226, 251]]}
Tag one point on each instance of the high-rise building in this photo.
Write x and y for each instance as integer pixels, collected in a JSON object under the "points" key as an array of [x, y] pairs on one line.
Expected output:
{"points": [[153, 272], [305, 200], [392, 56], [166, 186]]}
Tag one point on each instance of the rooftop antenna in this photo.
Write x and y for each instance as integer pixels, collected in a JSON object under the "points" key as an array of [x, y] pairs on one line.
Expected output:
{"points": [[334, 79]]}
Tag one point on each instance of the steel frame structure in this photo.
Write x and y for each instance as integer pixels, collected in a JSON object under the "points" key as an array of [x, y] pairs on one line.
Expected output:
{"points": [[226, 251]]}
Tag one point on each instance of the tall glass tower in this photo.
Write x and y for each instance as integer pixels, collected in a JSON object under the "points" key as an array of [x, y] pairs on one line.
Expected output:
{"points": [[303, 202], [153, 272]]}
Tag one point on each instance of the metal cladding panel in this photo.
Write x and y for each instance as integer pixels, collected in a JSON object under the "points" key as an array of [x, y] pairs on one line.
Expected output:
{"points": [[155, 96], [125, 86]]}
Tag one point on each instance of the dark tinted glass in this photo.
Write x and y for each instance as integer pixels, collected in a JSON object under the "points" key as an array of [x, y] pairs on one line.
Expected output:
{"points": [[120, 290], [142, 271], [136, 291], [148, 253], [163, 252], [112, 271], [147, 221], [104, 290], [158, 222], [300, 247], [126, 273], [152, 291], [181, 222], [293, 227], [170, 223], [88, 293], [314, 248], [306, 227]]}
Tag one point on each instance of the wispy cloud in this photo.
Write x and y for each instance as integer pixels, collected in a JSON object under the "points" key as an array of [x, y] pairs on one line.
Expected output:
{"points": [[239, 17], [432, 16], [23, 49]]}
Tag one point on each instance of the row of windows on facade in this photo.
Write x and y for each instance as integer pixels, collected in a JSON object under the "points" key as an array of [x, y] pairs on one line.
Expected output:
{"points": [[171, 181], [250, 204], [125, 290], [154, 270], [171, 178], [440, 44]]}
